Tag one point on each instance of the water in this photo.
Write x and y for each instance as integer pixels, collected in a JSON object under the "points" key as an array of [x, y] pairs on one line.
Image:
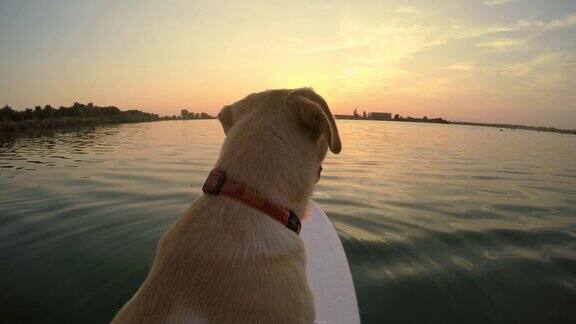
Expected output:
{"points": [[441, 223]]}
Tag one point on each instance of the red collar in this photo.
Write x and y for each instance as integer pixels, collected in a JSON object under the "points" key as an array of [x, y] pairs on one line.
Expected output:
{"points": [[218, 184]]}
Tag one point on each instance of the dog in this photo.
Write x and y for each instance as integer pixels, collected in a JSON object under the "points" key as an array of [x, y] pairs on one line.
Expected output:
{"points": [[226, 261]]}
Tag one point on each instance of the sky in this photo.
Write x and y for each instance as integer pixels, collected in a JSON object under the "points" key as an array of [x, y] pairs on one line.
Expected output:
{"points": [[474, 60]]}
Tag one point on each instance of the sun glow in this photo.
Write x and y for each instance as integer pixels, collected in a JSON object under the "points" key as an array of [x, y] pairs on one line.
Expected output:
{"points": [[481, 61]]}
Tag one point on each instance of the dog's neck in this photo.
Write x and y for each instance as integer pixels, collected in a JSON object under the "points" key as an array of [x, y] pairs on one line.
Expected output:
{"points": [[268, 165]]}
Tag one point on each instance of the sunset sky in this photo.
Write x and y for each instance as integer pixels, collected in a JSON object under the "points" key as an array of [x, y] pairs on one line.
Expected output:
{"points": [[475, 60]]}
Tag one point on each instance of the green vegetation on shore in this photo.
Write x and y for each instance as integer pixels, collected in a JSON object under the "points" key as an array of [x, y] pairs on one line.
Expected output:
{"points": [[77, 115], [185, 114]]}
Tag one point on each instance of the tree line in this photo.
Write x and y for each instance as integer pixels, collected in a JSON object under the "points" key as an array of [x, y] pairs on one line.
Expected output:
{"points": [[78, 114], [185, 114], [76, 110]]}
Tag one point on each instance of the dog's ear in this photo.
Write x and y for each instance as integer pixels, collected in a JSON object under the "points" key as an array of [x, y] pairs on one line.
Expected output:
{"points": [[225, 118], [316, 115]]}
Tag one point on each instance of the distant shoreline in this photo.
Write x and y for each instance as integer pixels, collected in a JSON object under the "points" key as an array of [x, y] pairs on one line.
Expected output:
{"points": [[41, 120], [493, 125], [524, 127], [47, 119]]}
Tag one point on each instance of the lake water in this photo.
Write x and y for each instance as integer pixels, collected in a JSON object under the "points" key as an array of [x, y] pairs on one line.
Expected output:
{"points": [[441, 223]]}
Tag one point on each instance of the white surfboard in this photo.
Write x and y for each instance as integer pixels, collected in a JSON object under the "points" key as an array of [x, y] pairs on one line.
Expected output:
{"points": [[328, 271]]}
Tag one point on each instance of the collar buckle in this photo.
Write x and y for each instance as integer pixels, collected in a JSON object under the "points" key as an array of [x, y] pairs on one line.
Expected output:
{"points": [[294, 223], [214, 182]]}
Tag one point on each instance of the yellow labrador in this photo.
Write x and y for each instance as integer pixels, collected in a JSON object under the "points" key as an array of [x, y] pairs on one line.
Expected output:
{"points": [[229, 260]]}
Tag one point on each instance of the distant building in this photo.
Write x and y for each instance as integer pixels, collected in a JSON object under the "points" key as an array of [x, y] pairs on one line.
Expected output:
{"points": [[381, 116]]}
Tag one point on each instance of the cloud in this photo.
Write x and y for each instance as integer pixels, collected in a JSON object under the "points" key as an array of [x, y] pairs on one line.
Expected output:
{"points": [[400, 36], [503, 44], [496, 2], [567, 22], [545, 70], [303, 48], [526, 68], [407, 10], [462, 67], [432, 59]]}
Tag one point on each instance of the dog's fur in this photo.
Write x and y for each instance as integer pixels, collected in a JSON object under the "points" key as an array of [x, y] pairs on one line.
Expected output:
{"points": [[225, 262]]}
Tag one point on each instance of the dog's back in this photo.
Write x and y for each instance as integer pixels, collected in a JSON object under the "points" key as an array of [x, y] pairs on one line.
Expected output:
{"points": [[232, 277]]}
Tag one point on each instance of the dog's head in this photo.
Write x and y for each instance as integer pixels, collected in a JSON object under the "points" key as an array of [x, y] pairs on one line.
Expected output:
{"points": [[300, 118]]}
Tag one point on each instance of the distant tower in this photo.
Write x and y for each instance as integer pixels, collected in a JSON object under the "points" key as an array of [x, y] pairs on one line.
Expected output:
{"points": [[356, 114], [364, 114]]}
